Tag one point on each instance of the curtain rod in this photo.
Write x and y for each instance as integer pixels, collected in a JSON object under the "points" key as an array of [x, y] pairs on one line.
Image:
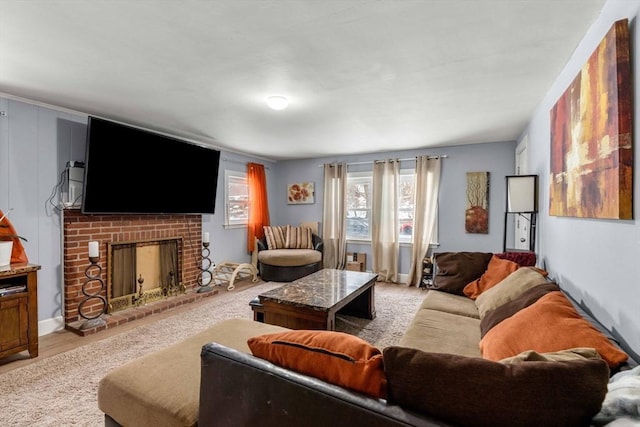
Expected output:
{"points": [[238, 162], [444, 156]]}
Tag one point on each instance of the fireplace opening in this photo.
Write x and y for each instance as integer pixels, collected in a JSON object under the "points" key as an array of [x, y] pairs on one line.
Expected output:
{"points": [[143, 271]]}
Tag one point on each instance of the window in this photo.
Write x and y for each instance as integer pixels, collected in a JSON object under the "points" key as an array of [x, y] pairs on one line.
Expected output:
{"points": [[236, 198], [405, 204], [359, 195]]}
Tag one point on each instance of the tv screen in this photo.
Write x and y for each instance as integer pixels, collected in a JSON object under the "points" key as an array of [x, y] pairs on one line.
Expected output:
{"points": [[130, 170]]}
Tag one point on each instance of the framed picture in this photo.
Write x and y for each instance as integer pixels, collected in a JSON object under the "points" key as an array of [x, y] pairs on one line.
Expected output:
{"points": [[476, 216], [300, 193], [592, 136]]}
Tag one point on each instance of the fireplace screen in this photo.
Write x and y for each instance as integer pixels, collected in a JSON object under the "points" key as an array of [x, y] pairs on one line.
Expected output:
{"points": [[143, 271]]}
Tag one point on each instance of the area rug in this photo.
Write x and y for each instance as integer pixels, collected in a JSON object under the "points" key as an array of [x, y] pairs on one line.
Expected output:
{"points": [[61, 390]]}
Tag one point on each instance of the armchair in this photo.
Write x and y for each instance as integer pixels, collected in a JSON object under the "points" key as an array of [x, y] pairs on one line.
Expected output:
{"points": [[287, 264]]}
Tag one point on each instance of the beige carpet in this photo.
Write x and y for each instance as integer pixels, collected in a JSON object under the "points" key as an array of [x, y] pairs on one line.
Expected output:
{"points": [[61, 390]]}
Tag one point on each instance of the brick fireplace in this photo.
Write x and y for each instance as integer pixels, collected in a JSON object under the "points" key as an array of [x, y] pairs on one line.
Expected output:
{"points": [[79, 229]]}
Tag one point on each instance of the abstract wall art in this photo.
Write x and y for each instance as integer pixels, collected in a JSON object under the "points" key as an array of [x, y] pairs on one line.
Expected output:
{"points": [[591, 170], [476, 218]]}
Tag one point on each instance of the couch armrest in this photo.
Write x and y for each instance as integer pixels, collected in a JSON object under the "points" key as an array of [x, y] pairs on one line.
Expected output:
{"points": [[239, 389], [262, 244], [318, 243]]}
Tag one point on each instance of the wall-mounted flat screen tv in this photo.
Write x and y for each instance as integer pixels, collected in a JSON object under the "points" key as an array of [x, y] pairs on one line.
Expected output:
{"points": [[130, 170]]}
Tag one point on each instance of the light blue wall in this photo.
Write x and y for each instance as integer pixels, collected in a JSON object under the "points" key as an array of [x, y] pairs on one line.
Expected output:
{"points": [[230, 244], [496, 158], [36, 142], [596, 261]]}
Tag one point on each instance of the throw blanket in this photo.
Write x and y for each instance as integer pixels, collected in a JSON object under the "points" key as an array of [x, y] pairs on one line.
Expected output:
{"points": [[621, 406]]}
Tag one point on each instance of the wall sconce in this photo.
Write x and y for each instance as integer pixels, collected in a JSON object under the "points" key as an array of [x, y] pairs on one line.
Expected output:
{"points": [[522, 199]]}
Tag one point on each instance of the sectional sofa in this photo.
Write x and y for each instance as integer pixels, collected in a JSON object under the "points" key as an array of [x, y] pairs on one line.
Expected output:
{"points": [[493, 343]]}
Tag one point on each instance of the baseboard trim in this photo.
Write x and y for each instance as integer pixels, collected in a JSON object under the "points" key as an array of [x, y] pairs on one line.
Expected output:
{"points": [[48, 326]]}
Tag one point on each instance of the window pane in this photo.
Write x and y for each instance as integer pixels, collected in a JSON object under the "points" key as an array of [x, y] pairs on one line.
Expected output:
{"points": [[359, 195], [358, 207], [237, 198], [405, 206]]}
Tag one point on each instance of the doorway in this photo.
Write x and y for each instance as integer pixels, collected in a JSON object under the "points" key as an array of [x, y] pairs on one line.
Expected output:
{"points": [[522, 222]]}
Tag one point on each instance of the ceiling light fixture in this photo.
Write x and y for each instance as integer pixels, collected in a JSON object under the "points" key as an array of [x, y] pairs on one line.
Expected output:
{"points": [[277, 102]]}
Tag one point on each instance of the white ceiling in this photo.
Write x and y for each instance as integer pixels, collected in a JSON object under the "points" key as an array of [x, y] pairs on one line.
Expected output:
{"points": [[361, 75]]}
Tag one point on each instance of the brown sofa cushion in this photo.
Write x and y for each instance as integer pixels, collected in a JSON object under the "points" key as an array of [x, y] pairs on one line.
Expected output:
{"points": [[497, 270], [454, 270], [142, 403], [289, 257], [508, 289], [549, 324], [579, 353], [440, 332], [335, 357], [508, 309], [450, 303], [473, 392]]}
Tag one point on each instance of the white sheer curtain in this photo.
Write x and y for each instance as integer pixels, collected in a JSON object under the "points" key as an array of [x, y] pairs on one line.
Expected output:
{"points": [[426, 187], [385, 243], [334, 233]]}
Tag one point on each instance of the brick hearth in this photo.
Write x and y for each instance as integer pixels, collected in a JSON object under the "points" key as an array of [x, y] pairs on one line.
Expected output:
{"points": [[80, 229], [121, 317]]}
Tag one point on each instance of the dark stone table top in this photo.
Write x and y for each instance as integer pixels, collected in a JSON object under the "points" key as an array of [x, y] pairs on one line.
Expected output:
{"points": [[321, 290]]}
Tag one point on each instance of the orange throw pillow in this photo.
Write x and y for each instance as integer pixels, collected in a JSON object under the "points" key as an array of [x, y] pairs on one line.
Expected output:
{"points": [[335, 357], [497, 270], [549, 324]]}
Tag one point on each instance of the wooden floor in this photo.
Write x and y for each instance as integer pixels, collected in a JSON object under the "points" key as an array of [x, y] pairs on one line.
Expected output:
{"points": [[61, 341]]}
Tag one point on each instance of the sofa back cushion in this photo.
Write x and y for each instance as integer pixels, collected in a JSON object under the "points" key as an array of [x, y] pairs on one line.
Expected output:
{"points": [[299, 238], [523, 259], [549, 324], [497, 270], [454, 270], [276, 236], [506, 310], [335, 357], [509, 288], [578, 353], [474, 392]]}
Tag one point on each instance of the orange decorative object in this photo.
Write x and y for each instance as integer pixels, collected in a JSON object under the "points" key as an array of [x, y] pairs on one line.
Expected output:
{"points": [[8, 232]]}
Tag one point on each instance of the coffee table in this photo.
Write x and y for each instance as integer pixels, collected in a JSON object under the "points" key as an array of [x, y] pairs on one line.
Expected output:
{"points": [[312, 302]]}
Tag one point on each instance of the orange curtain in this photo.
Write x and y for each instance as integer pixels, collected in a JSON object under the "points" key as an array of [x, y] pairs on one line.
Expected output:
{"points": [[258, 204]]}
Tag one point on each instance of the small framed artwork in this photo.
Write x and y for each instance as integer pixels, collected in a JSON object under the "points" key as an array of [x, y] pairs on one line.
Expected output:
{"points": [[300, 193]]}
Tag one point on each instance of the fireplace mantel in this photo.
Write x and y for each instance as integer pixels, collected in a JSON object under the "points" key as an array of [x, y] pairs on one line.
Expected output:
{"points": [[79, 229]]}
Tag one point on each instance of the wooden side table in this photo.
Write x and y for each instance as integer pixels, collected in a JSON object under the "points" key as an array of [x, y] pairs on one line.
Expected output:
{"points": [[19, 309]]}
